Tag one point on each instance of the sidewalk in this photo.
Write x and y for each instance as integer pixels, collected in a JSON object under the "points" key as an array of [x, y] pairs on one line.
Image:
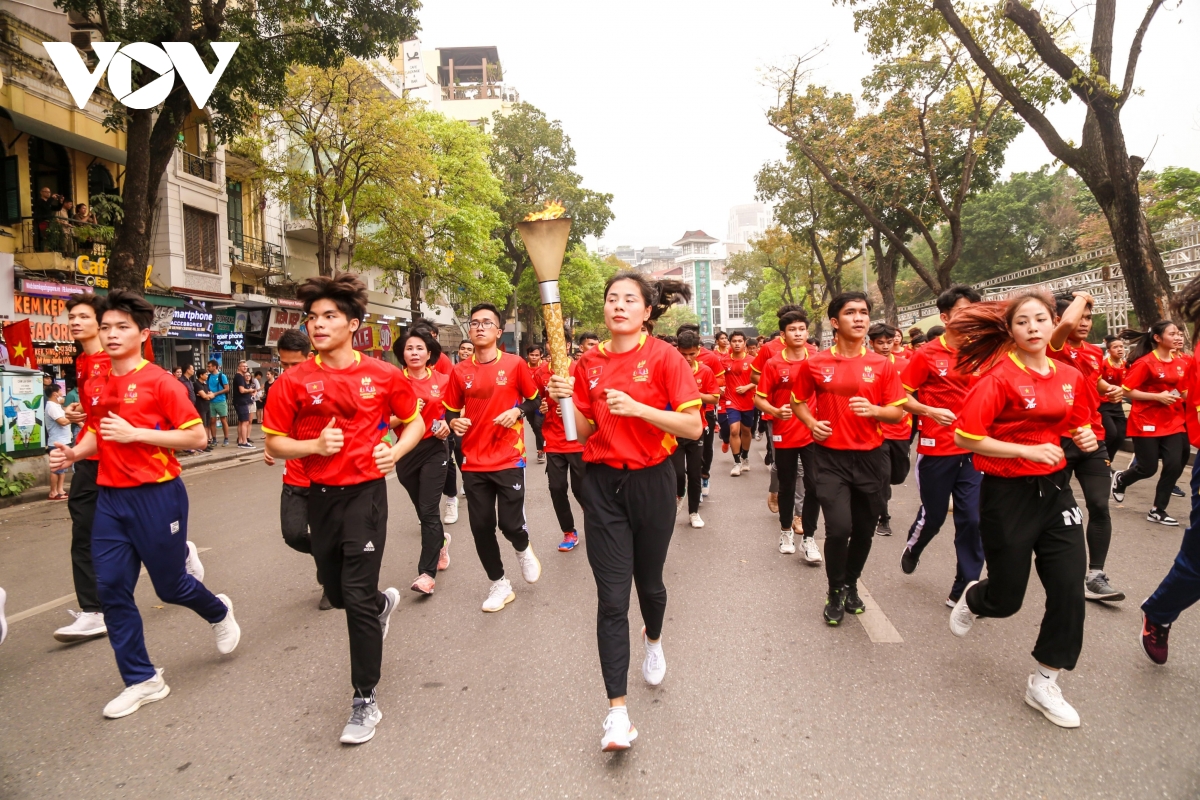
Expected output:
{"points": [[218, 455]]}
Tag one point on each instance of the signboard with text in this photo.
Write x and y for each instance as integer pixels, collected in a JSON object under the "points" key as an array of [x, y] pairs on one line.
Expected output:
{"points": [[282, 319]]}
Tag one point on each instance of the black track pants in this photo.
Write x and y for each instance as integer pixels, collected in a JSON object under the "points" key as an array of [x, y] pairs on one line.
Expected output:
{"points": [[496, 498], [422, 473], [1147, 451], [82, 507], [630, 518], [898, 465], [565, 471], [686, 460], [293, 518], [1091, 470], [850, 489], [710, 433], [1113, 416], [1024, 518]]}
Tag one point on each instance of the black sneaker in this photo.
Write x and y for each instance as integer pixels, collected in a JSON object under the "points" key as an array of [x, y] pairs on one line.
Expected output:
{"points": [[835, 606], [908, 561], [1154, 640], [884, 528], [1161, 518], [1118, 491], [854, 603], [1098, 588], [324, 604], [1177, 492]]}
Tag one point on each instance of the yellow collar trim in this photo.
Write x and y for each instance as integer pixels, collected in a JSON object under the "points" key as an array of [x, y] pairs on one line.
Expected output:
{"points": [[1017, 361], [357, 358], [641, 343]]}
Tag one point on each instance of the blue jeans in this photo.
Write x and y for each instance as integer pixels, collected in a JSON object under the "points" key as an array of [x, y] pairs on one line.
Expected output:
{"points": [[144, 524], [939, 477], [1181, 588]]}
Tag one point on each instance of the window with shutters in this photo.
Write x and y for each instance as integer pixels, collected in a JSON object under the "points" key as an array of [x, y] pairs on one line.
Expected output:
{"points": [[200, 239]]}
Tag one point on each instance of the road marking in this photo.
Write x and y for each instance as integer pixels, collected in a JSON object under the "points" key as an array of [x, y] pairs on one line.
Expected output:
{"points": [[66, 598], [878, 627]]}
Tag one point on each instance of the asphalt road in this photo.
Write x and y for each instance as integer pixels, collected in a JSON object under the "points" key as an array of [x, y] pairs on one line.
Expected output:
{"points": [[760, 699]]}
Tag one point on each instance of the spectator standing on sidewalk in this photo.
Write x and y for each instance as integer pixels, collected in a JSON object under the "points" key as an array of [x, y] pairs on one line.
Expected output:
{"points": [[243, 403], [218, 391], [58, 431], [202, 397]]}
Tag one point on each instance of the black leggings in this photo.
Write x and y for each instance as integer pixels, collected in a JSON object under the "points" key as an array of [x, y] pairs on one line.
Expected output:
{"points": [[422, 473], [850, 487], [786, 461], [710, 433], [686, 460], [1113, 417], [450, 488], [628, 526], [1091, 470], [1147, 451], [563, 471], [1024, 517]]}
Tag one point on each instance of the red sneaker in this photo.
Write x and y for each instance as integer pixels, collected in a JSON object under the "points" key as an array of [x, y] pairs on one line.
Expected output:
{"points": [[1154, 640], [423, 584], [724, 447], [570, 539]]}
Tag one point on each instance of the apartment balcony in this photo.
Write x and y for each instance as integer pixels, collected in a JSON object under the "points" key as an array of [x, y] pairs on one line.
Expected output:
{"points": [[47, 245], [200, 167], [481, 91], [255, 255], [305, 230]]}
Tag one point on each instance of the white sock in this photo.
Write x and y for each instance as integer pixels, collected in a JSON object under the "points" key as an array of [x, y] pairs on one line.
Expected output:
{"points": [[622, 710], [1043, 675], [653, 645]]}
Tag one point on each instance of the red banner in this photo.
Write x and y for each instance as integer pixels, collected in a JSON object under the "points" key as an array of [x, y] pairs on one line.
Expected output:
{"points": [[19, 341]]}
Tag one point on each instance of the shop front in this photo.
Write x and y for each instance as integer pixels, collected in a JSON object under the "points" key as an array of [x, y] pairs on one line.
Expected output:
{"points": [[44, 304]]}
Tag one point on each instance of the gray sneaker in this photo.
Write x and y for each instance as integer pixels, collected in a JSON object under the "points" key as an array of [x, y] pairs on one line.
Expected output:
{"points": [[391, 596], [1098, 588], [364, 716]]}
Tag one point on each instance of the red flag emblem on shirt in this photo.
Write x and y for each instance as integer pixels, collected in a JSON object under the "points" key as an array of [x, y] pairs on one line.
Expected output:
{"points": [[315, 387], [1026, 391]]}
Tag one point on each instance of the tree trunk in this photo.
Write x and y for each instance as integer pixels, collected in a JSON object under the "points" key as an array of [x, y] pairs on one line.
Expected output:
{"points": [[150, 144], [415, 279], [885, 271]]}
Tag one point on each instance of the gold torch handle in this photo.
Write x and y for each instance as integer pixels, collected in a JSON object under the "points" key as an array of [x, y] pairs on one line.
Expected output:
{"points": [[560, 360]]}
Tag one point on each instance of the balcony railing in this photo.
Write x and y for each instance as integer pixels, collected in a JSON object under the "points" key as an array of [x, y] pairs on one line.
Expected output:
{"points": [[199, 166], [256, 251], [480, 91], [56, 235]]}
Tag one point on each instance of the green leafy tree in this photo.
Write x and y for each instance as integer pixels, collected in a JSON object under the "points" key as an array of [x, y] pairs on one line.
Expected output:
{"points": [[535, 162], [438, 243], [675, 316], [274, 37], [777, 270]]}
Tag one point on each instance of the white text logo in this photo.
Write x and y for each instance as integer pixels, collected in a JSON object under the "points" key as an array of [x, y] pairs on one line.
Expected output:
{"points": [[118, 60]]}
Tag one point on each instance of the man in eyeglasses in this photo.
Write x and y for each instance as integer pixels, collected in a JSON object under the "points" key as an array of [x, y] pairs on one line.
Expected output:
{"points": [[487, 399]]}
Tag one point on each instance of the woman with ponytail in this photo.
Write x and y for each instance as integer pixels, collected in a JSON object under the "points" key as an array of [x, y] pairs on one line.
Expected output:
{"points": [[1155, 385], [1013, 419], [1181, 588], [634, 395]]}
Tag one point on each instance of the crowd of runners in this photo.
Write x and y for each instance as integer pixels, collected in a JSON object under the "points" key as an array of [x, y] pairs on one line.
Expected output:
{"points": [[1006, 403]]}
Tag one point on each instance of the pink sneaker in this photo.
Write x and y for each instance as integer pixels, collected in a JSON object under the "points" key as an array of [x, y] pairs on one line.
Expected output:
{"points": [[444, 556], [423, 584]]}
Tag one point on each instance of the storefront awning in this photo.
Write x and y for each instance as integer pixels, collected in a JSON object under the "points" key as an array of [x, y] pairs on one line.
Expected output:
{"points": [[42, 130]]}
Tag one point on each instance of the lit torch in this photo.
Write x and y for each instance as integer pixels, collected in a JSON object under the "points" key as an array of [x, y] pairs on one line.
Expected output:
{"points": [[545, 234]]}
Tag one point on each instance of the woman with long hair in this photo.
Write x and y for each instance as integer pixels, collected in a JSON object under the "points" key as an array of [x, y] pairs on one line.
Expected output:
{"points": [[422, 472], [634, 395], [1180, 589], [1013, 419], [1155, 386]]}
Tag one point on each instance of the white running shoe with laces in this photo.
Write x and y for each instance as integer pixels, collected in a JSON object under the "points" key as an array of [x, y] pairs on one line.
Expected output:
{"points": [[499, 595], [228, 632], [787, 542], [193, 565], [619, 732], [531, 568], [450, 515], [695, 521], [654, 666], [961, 618], [812, 553], [1047, 698], [136, 696], [737, 469], [87, 625]]}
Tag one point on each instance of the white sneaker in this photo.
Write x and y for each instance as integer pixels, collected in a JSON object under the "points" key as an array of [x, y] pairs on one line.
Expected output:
{"points": [[745, 462], [695, 521], [136, 696], [737, 469], [619, 732], [811, 554], [3, 619], [531, 568], [193, 565], [787, 542], [450, 515], [680, 505], [392, 594], [654, 666], [228, 632], [364, 716], [704, 489], [1047, 698], [500, 595], [87, 625], [961, 618]]}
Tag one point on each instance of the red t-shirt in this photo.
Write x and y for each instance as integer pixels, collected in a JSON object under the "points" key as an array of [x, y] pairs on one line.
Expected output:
{"points": [[1151, 374], [765, 353], [1113, 374], [482, 392], [714, 362], [1192, 401], [430, 391], [901, 430], [653, 373], [834, 379], [552, 426], [443, 365], [1084, 357], [776, 386], [1014, 404], [932, 372], [737, 373], [91, 373], [360, 400], [706, 383], [146, 397]]}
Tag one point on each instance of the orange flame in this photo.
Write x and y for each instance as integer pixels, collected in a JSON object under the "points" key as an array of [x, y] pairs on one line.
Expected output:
{"points": [[553, 210]]}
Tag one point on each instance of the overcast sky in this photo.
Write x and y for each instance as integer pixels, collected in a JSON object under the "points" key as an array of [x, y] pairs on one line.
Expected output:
{"points": [[664, 101]]}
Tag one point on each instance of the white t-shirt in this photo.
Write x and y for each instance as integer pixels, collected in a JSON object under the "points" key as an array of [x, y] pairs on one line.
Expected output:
{"points": [[55, 433]]}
